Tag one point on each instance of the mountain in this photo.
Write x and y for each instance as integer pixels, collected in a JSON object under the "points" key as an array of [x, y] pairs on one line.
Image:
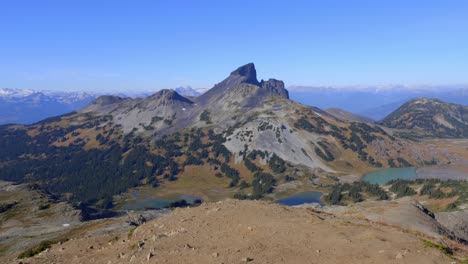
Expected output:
{"points": [[243, 136], [29, 106], [243, 139], [375, 102], [345, 115], [187, 91], [431, 117]]}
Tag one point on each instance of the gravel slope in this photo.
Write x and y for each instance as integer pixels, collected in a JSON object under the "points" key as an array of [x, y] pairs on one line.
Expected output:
{"points": [[248, 231]]}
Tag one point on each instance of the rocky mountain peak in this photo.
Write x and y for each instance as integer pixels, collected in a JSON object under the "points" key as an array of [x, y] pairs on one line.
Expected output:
{"points": [[166, 96], [245, 74], [243, 87], [274, 87], [424, 100], [106, 100]]}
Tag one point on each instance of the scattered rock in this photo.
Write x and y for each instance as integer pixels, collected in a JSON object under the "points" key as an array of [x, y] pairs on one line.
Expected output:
{"points": [[247, 259], [215, 255], [399, 256], [140, 244], [149, 256], [187, 246]]}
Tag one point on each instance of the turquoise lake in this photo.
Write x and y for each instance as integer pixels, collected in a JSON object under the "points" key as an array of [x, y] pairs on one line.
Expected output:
{"points": [[157, 202], [301, 198], [386, 175]]}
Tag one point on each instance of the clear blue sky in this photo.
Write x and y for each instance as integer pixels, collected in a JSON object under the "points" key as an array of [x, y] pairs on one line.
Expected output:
{"points": [[148, 45]]}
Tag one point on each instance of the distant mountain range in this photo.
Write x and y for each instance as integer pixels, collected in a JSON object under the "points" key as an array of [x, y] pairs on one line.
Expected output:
{"points": [[26, 106], [374, 102], [29, 106], [243, 135], [187, 91]]}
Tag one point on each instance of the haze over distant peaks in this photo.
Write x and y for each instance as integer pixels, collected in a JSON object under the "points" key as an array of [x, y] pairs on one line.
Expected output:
{"points": [[26, 106], [187, 91]]}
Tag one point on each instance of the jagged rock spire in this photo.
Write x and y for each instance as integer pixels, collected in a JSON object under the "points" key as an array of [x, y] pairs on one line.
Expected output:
{"points": [[247, 73]]}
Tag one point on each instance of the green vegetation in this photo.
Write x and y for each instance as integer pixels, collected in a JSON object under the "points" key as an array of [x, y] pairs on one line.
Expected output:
{"points": [[303, 123], [277, 164], [251, 166], [355, 192], [7, 206], [444, 249], [262, 184], [265, 126], [206, 117], [401, 188], [131, 231], [192, 160], [328, 156], [156, 119], [403, 162], [44, 206], [94, 175], [438, 189], [38, 249], [433, 188], [420, 114], [231, 173]]}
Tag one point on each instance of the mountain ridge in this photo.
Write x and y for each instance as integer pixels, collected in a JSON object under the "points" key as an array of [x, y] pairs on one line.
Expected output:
{"points": [[430, 116], [243, 130]]}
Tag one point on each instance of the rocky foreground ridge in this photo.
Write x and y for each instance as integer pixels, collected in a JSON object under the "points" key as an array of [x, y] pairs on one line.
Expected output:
{"points": [[256, 232]]}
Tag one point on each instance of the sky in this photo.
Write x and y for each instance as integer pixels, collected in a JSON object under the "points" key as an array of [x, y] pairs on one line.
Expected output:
{"points": [[111, 46]]}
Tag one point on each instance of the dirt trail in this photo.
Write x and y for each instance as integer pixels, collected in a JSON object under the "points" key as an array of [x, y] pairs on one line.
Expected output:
{"points": [[248, 231]]}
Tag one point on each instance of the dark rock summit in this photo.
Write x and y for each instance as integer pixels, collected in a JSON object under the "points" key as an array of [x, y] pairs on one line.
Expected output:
{"points": [[246, 73], [243, 88], [274, 87]]}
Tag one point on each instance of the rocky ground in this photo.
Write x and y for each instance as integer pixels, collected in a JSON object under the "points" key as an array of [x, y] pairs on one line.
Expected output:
{"points": [[257, 232], [35, 217]]}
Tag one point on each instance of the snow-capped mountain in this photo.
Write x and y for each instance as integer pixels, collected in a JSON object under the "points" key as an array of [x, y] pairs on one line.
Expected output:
{"points": [[187, 91], [15, 93], [24, 106]]}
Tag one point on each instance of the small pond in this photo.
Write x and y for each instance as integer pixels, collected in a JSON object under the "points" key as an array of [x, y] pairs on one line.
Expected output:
{"points": [[386, 175], [158, 202], [301, 198]]}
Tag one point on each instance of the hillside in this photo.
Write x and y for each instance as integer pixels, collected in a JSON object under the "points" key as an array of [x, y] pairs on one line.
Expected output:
{"points": [[257, 232], [243, 136], [345, 115], [431, 117]]}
